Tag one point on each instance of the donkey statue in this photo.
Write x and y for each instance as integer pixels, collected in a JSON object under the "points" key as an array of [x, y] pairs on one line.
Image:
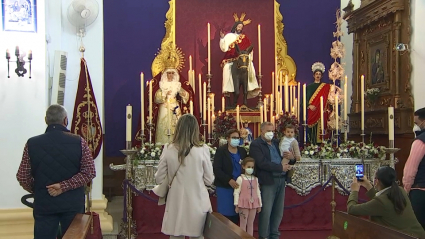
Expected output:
{"points": [[240, 74]]}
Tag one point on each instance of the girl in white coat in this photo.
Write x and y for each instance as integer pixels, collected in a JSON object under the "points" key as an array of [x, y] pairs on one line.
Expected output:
{"points": [[186, 162]]}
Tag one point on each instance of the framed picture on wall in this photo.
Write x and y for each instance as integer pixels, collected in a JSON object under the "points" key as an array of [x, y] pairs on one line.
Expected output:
{"points": [[19, 15], [379, 59]]}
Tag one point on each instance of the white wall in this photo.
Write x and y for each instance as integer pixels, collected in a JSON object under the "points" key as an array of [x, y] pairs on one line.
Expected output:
{"points": [[417, 54], [22, 105], [347, 61], [63, 37]]}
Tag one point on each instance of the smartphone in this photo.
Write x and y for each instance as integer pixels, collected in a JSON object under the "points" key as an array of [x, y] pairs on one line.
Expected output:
{"points": [[359, 172]]}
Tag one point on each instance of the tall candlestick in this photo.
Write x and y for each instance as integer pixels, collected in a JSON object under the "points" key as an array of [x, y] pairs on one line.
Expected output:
{"points": [[296, 108], [237, 117], [298, 100], [190, 63], [286, 94], [142, 100], [265, 108], [200, 94], [275, 94], [336, 113], [290, 97], [223, 104], [129, 116], [7, 54], [304, 103], [209, 116], [322, 121], [271, 106], [362, 101], [259, 49], [345, 99], [212, 103], [204, 100], [293, 96], [191, 107], [261, 115], [150, 101], [391, 123], [209, 49], [275, 67]]}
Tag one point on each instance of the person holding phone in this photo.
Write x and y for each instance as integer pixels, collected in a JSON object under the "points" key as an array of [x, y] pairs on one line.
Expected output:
{"points": [[389, 204]]}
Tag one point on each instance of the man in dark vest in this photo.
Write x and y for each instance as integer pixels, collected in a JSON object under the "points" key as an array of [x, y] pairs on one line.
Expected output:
{"points": [[55, 167], [414, 169]]}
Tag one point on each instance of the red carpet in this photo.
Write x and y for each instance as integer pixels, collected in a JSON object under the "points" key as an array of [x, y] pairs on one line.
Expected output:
{"points": [[301, 219]]}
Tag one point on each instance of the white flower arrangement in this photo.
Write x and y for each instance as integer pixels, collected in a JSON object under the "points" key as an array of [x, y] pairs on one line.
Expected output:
{"points": [[372, 91], [349, 149]]}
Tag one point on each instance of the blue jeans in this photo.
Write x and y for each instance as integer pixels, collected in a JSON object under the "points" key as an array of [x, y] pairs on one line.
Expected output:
{"points": [[271, 214]]}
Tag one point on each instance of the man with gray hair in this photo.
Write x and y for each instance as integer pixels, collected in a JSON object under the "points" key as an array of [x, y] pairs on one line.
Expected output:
{"points": [[271, 173], [55, 167]]}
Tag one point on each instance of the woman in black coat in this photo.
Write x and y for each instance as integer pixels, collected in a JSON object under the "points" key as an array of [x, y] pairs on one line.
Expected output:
{"points": [[227, 169]]}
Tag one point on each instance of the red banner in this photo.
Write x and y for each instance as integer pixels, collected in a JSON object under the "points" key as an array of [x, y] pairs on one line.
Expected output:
{"points": [[86, 120]]}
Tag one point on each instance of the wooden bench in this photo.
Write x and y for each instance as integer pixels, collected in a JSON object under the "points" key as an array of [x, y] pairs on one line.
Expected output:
{"points": [[351, 227], [218, 226], [79, 227]]}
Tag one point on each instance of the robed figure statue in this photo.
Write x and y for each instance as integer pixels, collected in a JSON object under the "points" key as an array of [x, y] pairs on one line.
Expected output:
{"points": [[171, 94], [316, 90], [237, 46]]}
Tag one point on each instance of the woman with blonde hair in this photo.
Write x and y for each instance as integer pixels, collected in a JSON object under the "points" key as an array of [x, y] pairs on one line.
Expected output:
{"points": [[186, 163]]}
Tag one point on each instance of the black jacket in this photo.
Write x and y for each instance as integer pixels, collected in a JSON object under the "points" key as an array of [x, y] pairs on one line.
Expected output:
{"points": [[223, 166], [264, 167]]}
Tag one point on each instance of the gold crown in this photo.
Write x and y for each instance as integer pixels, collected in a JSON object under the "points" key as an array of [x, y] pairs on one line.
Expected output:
{"points": [[241, 19], [171, 57]]}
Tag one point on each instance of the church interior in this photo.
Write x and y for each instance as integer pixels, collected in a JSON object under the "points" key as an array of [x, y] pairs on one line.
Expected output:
{"points": [[346, 74]]}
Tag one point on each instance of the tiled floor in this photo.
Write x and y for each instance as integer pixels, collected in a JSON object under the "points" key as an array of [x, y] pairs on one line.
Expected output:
{"points": [[115, 209]]}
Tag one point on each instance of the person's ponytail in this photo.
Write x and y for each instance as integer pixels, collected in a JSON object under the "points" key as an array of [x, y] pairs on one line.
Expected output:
{"points": [[397, 198]]}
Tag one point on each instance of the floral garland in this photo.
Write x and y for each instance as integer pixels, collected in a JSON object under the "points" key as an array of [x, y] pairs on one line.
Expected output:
{"points": [[283, 121], [349, 149], [222, 124], [153, 152]]}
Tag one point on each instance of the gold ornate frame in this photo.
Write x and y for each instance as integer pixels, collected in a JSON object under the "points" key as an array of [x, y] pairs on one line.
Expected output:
{"points": [[285, 63]]}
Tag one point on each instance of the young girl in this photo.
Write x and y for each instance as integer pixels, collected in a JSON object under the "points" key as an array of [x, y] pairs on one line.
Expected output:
{"points": [[247, 196]]}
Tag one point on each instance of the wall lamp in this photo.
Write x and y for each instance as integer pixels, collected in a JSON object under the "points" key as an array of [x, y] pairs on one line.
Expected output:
{"points": [[20, 62]]}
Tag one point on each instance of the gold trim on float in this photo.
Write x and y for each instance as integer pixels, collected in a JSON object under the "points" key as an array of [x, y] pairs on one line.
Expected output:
{"points": [[170, 36], [285, 63]]}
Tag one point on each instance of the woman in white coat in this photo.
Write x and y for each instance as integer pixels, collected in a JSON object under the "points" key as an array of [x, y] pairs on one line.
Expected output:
{"points": [[186, 162]]}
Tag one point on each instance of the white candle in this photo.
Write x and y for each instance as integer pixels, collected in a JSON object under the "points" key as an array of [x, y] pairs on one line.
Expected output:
{"points": [[209, 116], [280, 103], [129, 116], [273, 83], [322, 122], [336, 114], [209, 48], [298, 100], [391, 123], [204, 100], [345, 100], [304, 104], [265, 108], [193, 82], [275, 94], [286, 94], [150, 101], [291, 103], [296, 108], [273, 120], [293, 96], [168, 116], [142, 100], [362, 101], [259, 49], [271, 106], [237, 117], [190, 63], [275, 67], [191, 107], [261, 114], [223, 104], [200, 94]]}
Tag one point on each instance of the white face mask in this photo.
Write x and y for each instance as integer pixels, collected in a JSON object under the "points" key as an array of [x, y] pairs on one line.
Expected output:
{"points": [[249, 171], [269, 135], [416, 128]]}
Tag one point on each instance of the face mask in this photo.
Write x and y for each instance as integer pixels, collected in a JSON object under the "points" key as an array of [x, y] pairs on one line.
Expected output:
{"points": [[234, 142], [269, 135], [249, 171], [417, 130]]}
